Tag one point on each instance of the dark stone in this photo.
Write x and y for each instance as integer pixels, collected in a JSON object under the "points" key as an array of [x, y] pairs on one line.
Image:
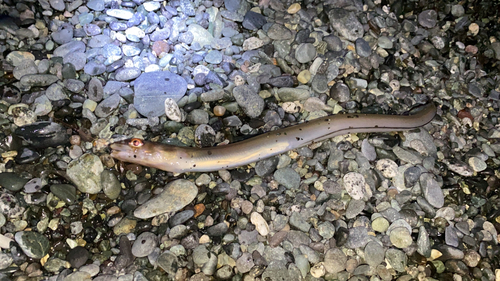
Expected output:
{"points": [[253, 20], [78, 256]]}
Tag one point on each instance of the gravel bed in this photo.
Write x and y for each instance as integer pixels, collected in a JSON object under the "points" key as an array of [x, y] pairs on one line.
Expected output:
{"points": [[415, 205]]}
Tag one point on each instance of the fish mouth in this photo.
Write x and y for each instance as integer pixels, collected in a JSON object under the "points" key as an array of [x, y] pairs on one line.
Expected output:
{"points": [[120, 150]]}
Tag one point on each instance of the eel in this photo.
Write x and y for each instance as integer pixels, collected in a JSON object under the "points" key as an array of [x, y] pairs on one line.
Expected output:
{"points": [[191, 159]]}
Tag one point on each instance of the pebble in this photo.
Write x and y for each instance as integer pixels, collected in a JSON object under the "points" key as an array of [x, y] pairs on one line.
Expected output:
{"points": [[293, 94], [397, 259], [335, 260], [249, 100], [78, 256], [85, 172], [38, 80], [304, 76], [431, 190], [175, 196], [340, 92], [346, 24], [400, 237], [356, 187], [33, 244], [64, 192], [150, 94], [279, 32], [363, 49], [305, 52], [120, 14], [144, 244], [427, 18], [253, 20], [287, 177]]}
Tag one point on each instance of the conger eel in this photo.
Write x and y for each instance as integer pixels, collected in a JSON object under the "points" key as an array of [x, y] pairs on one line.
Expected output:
{"points": [[191, 159]]}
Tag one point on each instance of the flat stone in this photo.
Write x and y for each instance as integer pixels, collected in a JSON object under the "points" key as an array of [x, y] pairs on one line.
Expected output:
{"points": [[152, 88], [120, 14], [431, 190], [38, 80], [175, 196]]}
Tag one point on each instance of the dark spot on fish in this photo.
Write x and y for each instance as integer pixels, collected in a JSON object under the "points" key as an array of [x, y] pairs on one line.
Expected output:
{"points": [[194, 165], [298, 139], [209, 152], [328, 128], [300, 129], [327, 120], [135, 156], [180, 157]]}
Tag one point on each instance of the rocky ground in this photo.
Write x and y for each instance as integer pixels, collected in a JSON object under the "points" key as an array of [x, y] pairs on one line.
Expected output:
{"points": [[416, 205]]}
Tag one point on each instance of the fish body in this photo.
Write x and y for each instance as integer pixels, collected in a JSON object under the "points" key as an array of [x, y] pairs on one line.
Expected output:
{"points": [[190, 159]]}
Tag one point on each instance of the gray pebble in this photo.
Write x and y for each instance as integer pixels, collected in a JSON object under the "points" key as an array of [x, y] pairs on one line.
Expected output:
{"points": [[293, 94], [110, 184], [77, 59], [175, 196], [298, 221], [346, 24], [70, 47], [287, 177], [427, 18], [374, 253], [213, 57], [144, 244], [198, 116], [335, 260], [57, 5], [107, 106], [354, 208], [279, 32], [305, 52], [38, 80], [431, 190], [168, 262], [397, 259], [150, 91], [63, 36], [423, 242], [96, 5], [250, 101], [340, 92], [26, 67], [126, 74], [85, 173], [363, 49], [74, 85]]}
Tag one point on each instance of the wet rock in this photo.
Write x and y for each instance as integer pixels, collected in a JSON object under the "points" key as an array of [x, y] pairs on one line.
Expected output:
{"points": [[43, 134]]}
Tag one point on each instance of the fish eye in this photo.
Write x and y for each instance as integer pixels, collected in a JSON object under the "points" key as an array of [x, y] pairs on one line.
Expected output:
{"points": [[136, 142]]}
